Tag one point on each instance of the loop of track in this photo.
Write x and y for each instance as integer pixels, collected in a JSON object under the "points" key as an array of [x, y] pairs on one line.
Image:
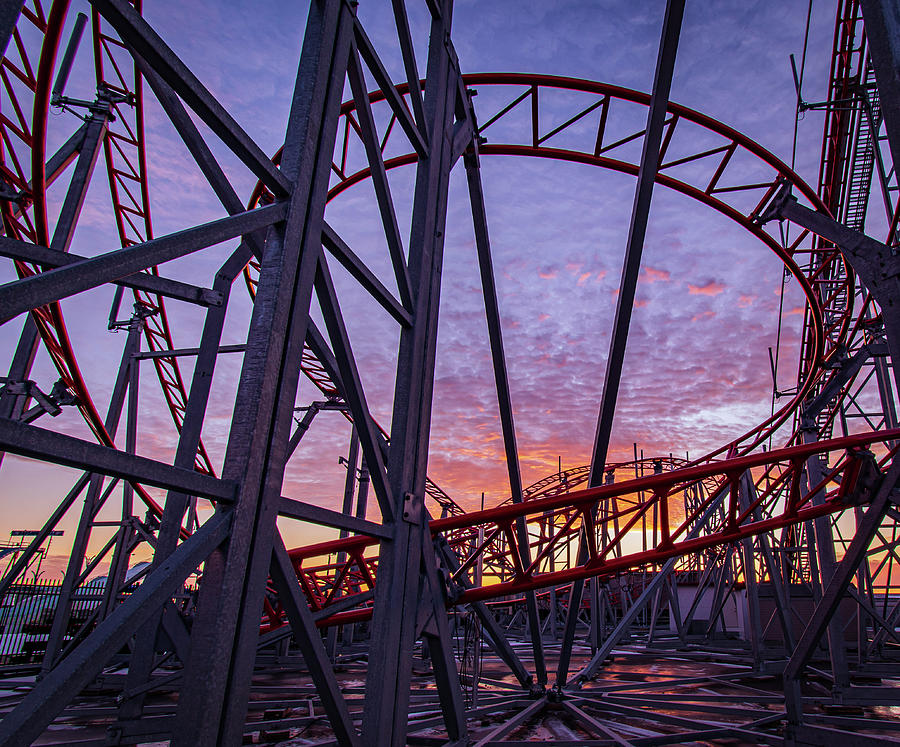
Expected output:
{"points": [[718, 187]]}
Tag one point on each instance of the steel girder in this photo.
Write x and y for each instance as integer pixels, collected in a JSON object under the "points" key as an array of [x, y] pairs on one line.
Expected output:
{"points": [[238, 545]]}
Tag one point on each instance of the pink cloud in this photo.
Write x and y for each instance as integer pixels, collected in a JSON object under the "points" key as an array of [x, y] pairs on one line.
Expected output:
{"points": [[547, 275], [710, 288], [651, 275], [746, 301], [582, 279], [703, 315]]}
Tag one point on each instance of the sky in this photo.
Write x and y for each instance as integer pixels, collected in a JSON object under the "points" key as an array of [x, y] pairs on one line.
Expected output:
{"points": [[696, 373]]}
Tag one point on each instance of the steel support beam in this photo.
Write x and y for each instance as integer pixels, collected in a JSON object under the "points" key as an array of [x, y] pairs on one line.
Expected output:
{"points": [[29, 293], [78, 145], [310, 642], [38, 443], [25, 723], [659, 101], [825, 559], [414, 129], [492, 630], [51, 259], [364, 276], [93, 502], [326, 517], [501, 381], [81, 176], [651, 589], [200, 151], [372, 145], [882, 24], [877, 266], [369, 436], [397, 595], [178, 501], [213, 701], [834, 592], [118, 567], [9, 14], [140, 37]]}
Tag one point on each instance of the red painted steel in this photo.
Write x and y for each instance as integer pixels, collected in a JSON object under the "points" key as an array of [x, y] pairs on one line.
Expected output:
{"points": [[717, 190], [782, 502], [714, 191], [126, 165], [20, 139], [720, 189], [320, 582]]}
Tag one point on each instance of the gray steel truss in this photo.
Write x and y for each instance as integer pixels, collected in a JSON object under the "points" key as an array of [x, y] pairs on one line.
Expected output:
{"points": [[223, 597]]}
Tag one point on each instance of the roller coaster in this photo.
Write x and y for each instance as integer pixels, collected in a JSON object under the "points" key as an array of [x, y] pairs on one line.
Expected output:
{"points": [[748, 595]]}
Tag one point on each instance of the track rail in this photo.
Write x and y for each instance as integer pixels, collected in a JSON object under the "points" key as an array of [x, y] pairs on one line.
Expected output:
{"points": [[24, 151], [126, 165], [732, 174], [787, 500], [711, 175]]}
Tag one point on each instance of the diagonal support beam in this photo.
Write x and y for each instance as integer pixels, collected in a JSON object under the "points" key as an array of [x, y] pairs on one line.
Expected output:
{"points": [[39, 443], [353, 391], [493, 631], [882, 24], [214, 698], [20, 296], [593, 666], [51, 259], [659, 101], [417, 137], [364, 276], [409, 63], [369, 135], [309, 640], [834, 592], [501, 380], [326, 517], [29, 719], [198, 148], [397, 599]]}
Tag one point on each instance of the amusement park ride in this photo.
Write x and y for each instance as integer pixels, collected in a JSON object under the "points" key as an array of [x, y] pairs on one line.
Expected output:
{"points": [[763, 580]]}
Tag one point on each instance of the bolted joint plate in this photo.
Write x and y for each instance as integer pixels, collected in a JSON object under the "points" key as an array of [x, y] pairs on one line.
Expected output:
{"points": [[868, 479], [412, 508]]}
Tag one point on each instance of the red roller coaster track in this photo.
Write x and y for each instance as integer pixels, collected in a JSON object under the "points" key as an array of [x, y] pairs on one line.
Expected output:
{"points": [[718, 186], [724, 499]]}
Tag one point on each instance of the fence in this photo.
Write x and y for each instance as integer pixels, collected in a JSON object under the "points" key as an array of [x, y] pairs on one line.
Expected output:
{"points": [[26, 614]]}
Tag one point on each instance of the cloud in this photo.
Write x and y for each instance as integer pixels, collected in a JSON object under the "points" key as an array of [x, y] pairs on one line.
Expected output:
{"points": [[696, 368], [651, 275], [709, 288]]}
